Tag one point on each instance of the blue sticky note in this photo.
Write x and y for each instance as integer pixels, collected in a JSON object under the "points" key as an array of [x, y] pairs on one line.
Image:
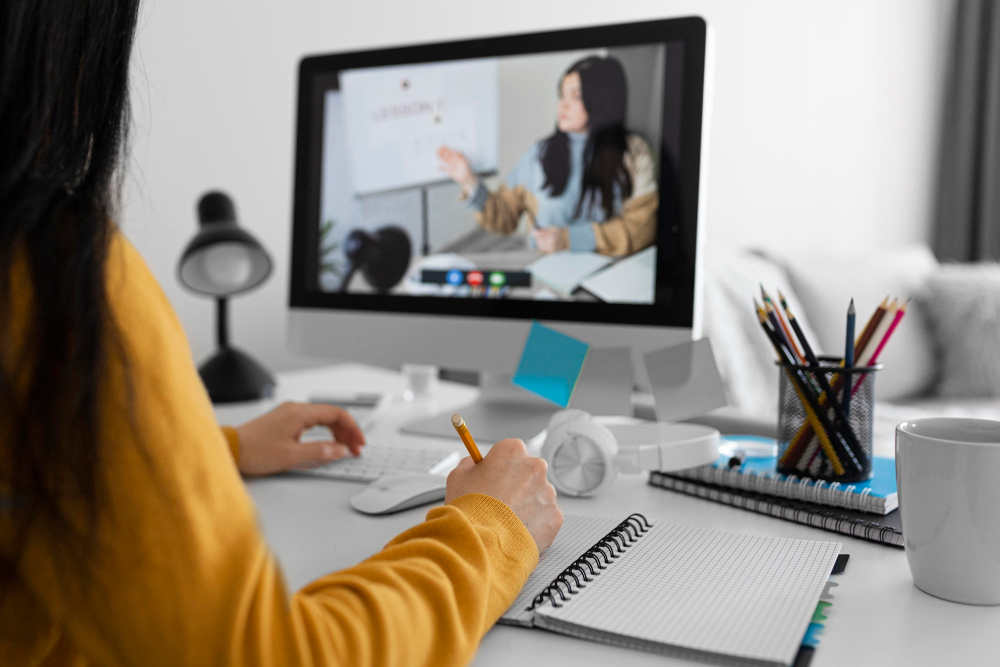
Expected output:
{"points": [[550, 364]]}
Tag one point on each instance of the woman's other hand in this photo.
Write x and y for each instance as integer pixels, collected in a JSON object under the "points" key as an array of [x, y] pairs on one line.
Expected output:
{"points": [[551, 239], [456, 166], [270, 444], [511, 475]]}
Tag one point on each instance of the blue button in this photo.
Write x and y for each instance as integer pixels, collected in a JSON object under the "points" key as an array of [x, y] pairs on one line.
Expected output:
{"points": [[455, 277]]}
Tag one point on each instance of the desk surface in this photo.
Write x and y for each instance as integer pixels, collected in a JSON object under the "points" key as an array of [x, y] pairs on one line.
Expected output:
{"points": [[878, 616]]}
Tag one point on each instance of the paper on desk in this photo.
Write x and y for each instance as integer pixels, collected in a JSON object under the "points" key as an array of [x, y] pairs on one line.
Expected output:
{"points": [[564, 271], [685, 380], [631, 280], [545, 294]]}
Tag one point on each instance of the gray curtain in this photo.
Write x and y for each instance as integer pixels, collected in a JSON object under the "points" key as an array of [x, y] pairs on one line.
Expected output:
{"points": [[968, 210]]}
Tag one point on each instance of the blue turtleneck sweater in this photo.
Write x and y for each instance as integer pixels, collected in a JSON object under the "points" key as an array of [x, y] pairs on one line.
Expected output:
{"points": [[555, 211]]}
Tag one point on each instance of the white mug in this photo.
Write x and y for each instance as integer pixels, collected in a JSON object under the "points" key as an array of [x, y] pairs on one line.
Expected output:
{"points": [[948, 474]]}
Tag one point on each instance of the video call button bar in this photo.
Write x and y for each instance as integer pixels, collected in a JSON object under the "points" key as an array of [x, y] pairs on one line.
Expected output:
{"points": [[476, 278]]}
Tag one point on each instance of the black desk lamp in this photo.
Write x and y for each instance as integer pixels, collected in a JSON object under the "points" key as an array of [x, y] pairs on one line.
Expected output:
{"points": [[223, 260]]}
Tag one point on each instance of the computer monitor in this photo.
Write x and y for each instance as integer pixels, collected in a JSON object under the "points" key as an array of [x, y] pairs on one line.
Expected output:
{"points": [[447, 195]]}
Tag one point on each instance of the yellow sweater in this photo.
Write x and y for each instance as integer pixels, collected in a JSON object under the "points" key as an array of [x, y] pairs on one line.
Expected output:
{"points": [[183, 575]]}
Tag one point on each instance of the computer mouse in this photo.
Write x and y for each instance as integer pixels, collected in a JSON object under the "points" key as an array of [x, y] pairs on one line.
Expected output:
{"points": [[399, 491]]}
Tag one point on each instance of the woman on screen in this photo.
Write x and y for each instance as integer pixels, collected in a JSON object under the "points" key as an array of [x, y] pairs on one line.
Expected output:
{"points": [[590, 186]]}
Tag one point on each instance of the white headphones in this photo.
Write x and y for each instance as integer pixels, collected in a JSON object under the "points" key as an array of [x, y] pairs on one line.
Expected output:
{"points": [[585, 456]]}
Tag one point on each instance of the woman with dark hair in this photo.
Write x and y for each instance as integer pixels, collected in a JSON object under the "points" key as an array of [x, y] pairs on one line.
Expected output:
{"points": [[126, 535], [590, 186]]}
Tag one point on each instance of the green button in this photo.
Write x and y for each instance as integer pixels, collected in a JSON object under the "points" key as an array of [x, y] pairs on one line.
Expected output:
{"points": [[498, 278]]}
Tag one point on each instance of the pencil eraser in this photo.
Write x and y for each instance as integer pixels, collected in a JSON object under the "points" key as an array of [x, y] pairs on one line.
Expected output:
{"points": [[550, 364]]}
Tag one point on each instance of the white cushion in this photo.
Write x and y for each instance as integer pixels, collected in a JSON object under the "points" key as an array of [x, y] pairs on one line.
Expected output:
{"points": [[826, 282], [745, 356], [962, 302]]}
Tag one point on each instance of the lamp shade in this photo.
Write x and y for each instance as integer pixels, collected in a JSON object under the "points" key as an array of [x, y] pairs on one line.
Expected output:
{"points": [[222, 259]]}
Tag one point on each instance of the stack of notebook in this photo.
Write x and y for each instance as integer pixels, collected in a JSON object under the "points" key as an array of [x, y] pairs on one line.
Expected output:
{"points": [[865, 510]]}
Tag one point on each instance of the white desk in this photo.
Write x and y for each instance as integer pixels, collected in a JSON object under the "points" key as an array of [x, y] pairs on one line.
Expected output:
{"points": [[878, 617]]}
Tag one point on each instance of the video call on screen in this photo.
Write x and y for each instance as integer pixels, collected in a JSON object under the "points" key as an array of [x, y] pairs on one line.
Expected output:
{"points": [[520, 177]]}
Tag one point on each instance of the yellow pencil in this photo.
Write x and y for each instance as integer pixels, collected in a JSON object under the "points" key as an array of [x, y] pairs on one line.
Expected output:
{"points": [[463, 433]]}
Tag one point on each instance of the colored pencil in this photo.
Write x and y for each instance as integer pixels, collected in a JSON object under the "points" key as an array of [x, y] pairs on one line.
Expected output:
{"points": [[900, 313], [848, 361], [772, 317], [781, 319], [806, 347], [866, 333], [809, 453], [880, 331]]}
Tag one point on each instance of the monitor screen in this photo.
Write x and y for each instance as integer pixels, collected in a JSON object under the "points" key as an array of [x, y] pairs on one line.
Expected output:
{"points": [[545, 176]]}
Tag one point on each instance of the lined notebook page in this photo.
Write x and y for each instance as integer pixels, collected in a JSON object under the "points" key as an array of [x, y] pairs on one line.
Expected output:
{"points": [[578, 534], [702, 592]]}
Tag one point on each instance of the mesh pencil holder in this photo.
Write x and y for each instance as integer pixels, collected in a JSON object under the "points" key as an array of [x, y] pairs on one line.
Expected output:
{"points": [[818, 438]]}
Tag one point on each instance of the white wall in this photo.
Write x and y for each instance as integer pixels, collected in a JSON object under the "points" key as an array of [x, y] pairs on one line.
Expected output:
{"points": [[824, 133]]}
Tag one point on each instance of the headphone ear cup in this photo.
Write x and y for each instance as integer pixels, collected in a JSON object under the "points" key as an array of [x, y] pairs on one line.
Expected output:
{"points": [[580, 455], [555, 433]]}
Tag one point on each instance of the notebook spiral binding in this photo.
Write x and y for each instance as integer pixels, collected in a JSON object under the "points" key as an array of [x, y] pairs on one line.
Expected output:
{"points": [[593, 561], [808, 490]]}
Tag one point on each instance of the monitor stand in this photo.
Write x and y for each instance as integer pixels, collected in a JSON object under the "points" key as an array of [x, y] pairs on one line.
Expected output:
{"points": [[502, 411]]}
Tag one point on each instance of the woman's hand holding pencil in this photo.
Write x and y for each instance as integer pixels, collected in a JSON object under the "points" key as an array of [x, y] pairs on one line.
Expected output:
{"points": [[516, 479]]}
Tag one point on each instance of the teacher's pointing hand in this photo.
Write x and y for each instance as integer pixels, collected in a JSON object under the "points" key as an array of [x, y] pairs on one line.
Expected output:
{"points": [[456, 166]]}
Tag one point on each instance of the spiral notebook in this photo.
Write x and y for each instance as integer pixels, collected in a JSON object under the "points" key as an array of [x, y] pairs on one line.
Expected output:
{"points": [[677, 590], [759, 474], [883, 529]]}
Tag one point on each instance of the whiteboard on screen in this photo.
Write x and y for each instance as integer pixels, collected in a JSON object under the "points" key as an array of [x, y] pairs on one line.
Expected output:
{"points": [[396, 119]]}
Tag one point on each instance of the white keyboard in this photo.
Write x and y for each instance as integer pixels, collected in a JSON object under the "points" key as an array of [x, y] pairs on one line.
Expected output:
{"points": [[379, 460]]}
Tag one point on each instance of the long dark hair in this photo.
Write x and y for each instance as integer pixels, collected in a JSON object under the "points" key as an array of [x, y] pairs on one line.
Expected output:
{"points": [[604, 91], [64, 114]]}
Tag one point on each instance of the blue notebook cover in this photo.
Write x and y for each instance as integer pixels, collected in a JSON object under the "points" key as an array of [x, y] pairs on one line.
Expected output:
{"points": [[759, 474]]}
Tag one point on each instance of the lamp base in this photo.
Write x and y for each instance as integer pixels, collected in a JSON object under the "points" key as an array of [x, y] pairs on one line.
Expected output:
{"points": [[231, 376]]}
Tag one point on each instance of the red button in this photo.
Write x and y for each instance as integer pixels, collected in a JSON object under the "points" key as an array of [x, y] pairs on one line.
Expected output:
{"points": [[474, 278]]}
